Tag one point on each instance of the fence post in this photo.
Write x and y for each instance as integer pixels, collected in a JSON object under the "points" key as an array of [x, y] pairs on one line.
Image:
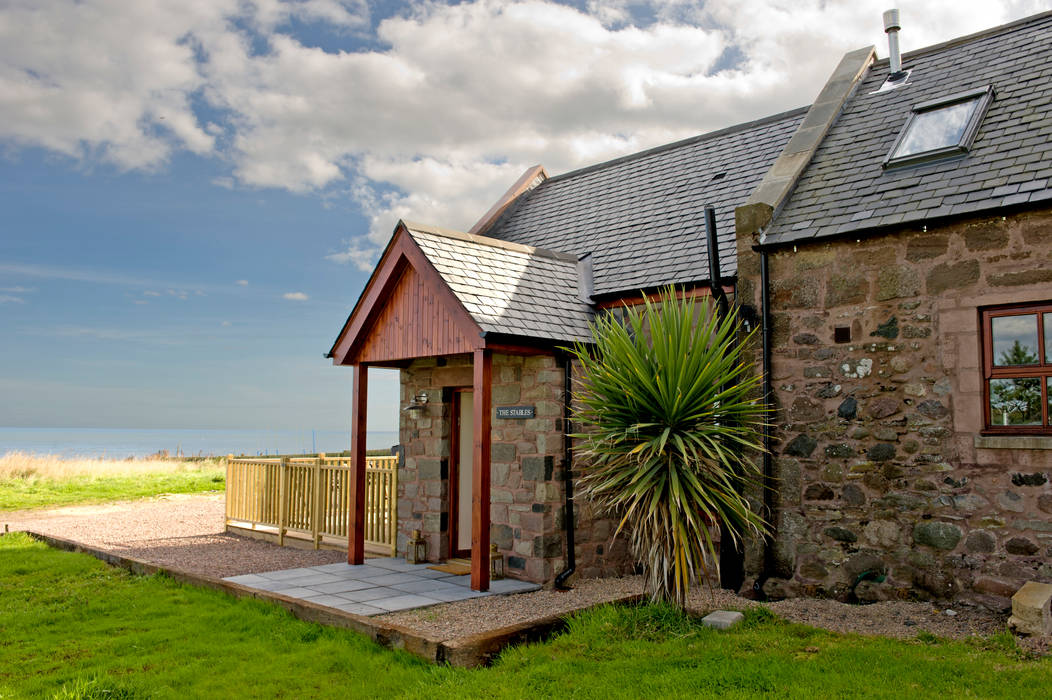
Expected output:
{"points": [[392, 517], [316, 513], [229, 489], [283, 495]]}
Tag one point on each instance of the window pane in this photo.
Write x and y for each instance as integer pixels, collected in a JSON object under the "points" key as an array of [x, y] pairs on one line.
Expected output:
{"points": [[937, 128], [1015, 401], [1048, 338], [1015, 340]]}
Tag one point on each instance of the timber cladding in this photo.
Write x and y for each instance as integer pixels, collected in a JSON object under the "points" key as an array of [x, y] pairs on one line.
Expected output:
{"points": [[888, 482], [413, 322]]}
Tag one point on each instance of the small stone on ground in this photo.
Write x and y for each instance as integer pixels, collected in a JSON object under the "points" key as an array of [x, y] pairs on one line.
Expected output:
{"points": [[722, 619]]}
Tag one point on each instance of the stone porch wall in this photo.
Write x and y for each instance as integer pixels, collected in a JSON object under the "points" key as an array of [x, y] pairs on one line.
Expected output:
{"points": [[527, 494], [880, 461]]}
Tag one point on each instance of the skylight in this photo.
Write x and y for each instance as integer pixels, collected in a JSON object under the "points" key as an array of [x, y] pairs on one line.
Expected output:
{"points": [[940, 128]]}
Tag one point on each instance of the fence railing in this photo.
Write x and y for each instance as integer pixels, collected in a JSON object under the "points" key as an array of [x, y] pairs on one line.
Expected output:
{"points": [[309, 498]]}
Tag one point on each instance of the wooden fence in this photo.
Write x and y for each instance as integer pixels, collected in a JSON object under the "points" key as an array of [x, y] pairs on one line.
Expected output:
{"points": [[308, 498]]}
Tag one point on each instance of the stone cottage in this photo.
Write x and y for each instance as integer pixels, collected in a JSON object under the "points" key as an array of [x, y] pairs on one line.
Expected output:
{"points": [[894, 241], [901, 249], [476, 321]]}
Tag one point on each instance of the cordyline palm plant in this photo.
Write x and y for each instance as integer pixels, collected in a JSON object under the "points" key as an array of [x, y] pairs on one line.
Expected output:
{"points": [[670, 417]]}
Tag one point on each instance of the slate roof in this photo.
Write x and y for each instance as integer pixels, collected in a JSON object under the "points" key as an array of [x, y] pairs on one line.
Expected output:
{"points": [[642, 216], [844, 189], [507, 287]]}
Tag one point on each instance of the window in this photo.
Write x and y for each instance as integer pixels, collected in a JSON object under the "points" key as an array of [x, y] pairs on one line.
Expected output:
{"points": [[1017, 368], [940, 128]]}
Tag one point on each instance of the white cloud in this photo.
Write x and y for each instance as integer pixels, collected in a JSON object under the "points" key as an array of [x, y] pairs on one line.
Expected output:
{"points": [[151, 293], [9, 299], [226, 324], [18, 290], [242, 283], [458, 101], [295, 296]]}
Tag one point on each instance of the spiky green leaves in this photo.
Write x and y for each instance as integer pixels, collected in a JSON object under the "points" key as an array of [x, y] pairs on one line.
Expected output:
{"points": [[670, 419]]}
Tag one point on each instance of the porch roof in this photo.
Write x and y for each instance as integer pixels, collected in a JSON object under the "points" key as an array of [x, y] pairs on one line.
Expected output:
{"points": [[438, 292], [508, 288]]}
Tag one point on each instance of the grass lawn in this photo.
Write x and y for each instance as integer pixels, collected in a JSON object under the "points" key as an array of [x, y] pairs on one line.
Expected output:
{"points": [[72, 627], [29, 481]]}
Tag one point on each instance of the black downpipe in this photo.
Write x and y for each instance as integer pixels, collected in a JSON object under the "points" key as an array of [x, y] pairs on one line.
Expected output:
{"points": [[568, 520], [732, 556], [715, 279], [768, 465]]}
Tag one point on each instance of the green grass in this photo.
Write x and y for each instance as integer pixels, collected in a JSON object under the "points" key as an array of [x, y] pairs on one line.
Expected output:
{"points": [[44, 492], [72, 627]]}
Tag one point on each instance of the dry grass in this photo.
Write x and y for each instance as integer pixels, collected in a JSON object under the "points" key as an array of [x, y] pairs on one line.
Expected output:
{"points": [[19, 465]]}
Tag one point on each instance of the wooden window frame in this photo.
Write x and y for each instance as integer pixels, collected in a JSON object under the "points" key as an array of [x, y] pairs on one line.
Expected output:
{"points": [[1042, 370]]}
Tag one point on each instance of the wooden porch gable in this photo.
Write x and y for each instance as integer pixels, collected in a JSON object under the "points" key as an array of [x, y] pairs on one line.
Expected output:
{"points": [[406, 311]]}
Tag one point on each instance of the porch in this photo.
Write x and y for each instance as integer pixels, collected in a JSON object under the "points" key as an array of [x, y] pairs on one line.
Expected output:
{"points": [[440, 296]]}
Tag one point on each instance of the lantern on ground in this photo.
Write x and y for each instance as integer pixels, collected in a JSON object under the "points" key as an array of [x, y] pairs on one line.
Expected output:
{"points": [[416, 549], [496, 563]]}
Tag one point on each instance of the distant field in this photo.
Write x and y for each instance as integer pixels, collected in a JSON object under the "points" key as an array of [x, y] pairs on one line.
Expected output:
{"points": [[33, 481]]}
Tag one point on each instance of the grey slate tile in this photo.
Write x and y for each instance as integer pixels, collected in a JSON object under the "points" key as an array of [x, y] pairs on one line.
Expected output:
{"points": [[1008, 157]]}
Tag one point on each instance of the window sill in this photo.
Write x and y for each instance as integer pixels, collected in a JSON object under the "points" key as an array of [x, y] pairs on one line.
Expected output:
{"points": [[1013, 442]]}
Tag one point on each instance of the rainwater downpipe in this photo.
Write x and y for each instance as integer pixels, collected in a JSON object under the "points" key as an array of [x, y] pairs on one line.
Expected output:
{"points": [[568, 519], [730, 562], [715, 280], [768, 466]]}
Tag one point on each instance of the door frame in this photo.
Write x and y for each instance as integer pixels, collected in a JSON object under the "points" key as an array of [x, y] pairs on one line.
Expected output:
{"points": [[454, 473]]}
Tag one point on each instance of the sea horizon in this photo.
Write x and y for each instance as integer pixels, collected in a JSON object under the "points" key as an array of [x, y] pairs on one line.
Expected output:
{"points": [[122, 443]]}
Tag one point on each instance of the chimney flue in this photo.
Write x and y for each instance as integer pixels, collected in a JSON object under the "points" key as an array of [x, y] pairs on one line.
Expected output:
{"points": [[892, 27]]}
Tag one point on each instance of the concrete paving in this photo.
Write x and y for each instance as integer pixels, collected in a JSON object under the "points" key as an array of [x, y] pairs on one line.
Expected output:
{"points": [[379, 586]]}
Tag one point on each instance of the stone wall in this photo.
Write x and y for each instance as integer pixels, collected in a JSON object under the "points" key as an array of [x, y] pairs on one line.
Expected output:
{"points": [[527, 492], [882, 470]]}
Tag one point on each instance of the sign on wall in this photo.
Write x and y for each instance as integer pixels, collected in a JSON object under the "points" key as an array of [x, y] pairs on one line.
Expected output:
{"points": [[516, 412]]}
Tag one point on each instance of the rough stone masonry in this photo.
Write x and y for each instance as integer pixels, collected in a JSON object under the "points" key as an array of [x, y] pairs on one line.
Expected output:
{"points": [[886, 487]]}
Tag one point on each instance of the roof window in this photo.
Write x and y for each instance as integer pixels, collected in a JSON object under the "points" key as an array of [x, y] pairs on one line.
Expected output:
{"points": [[940, 129]]}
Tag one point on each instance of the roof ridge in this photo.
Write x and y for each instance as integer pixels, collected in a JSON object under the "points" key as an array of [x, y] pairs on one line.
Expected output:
{"points": [[412, 226], [968, 38], [743, 126]]}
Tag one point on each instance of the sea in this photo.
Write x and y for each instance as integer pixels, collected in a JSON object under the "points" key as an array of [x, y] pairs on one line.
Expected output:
{"points": [[121, 443]]}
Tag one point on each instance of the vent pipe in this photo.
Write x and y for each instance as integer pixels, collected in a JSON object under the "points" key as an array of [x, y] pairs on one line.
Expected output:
{"points": [[892, 27]]}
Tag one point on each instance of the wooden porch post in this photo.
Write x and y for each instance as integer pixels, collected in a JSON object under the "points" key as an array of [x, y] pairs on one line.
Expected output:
{"points": [[356, 521], [480, 466]]}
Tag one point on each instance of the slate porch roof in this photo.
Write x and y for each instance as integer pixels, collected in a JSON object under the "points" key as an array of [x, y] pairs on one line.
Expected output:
{"points": [[642, 216], [508, 288], [844, 189]]}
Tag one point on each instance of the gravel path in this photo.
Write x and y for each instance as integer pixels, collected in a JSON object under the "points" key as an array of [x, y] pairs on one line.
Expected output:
{"points": [[186, 532], [181, 531]]}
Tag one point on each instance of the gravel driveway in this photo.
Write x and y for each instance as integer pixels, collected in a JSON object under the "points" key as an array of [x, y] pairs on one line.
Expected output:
{"points": [[186, 532]]}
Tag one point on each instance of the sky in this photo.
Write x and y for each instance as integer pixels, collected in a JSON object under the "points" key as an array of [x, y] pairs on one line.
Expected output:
{"points": [[193, 192]]}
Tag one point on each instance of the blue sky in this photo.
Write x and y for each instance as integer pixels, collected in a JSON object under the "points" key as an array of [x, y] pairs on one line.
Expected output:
{"points": [[194, 191]]}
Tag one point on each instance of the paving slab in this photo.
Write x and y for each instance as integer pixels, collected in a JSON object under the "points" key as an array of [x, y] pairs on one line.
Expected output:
{"points": [[404, 602]]}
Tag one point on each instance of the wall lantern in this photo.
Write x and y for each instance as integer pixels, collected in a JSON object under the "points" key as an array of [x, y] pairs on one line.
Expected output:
{"points": [[416, 549], [418, 402], [496, 563]]}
